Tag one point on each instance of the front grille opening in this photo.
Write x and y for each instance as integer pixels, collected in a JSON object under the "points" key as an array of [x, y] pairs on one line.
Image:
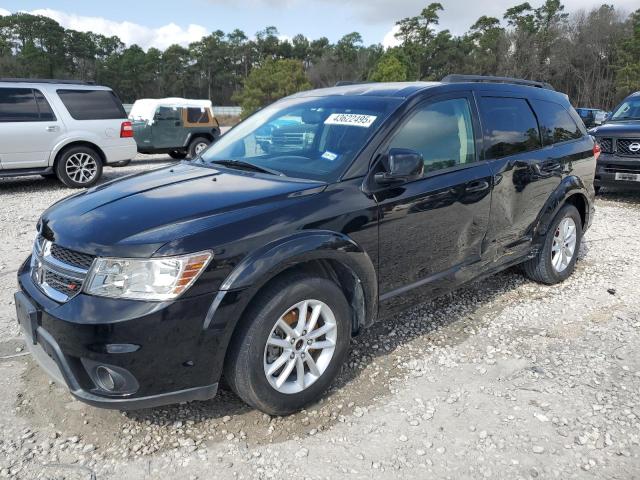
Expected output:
{"points": [[71, 257], [623, 146], [606, 144], [67, 286]]}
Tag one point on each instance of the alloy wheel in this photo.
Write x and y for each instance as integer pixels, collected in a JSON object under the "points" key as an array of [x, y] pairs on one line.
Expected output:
{"points": [[81, 167], [564, 244], [300, 346]]}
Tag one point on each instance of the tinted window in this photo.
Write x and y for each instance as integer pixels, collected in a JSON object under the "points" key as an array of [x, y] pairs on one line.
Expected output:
{"points": [[556, 124], [510, 126], [46, 114], [442, 132], [92, 104], [197, 115], [167, 113], [18, 105]]}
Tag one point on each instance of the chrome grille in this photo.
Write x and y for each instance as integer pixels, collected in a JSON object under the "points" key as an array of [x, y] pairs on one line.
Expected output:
{"points": [[77, 259], [628, 147], [57, 271], [606, 144]]}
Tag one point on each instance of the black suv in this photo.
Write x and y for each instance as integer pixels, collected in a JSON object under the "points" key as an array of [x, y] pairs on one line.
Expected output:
{"points": [[619, 139], [261, 265]]}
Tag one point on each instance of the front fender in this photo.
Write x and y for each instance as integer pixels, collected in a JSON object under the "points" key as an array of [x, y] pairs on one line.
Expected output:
{"points": [[257, 268], [569, 186]]}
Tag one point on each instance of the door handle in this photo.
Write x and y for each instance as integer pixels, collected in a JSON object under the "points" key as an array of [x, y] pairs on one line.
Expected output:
{"points": [[53, 128], [477, 186]]}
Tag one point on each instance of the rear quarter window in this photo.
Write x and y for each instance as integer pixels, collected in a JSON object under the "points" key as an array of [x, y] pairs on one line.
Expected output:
{"points": [[556, 123], [509, 125], [198, 115], [92, 104]]}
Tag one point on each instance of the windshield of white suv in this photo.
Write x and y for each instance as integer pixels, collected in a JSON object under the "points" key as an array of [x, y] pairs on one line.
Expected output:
{"points": [[628, 110], [310, 137]]}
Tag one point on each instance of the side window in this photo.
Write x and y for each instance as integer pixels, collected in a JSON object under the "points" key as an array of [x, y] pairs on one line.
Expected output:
{"points": [[197, 115], [18, 105], [510, 127], [46, 114], [167, 113], [556, 123], [442, 132], [92, 104]]}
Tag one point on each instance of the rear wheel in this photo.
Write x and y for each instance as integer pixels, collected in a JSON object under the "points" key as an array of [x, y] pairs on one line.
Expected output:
{"points": [[197, 146], [79, 167], [556, 260], [291, 345], [178, 154]]}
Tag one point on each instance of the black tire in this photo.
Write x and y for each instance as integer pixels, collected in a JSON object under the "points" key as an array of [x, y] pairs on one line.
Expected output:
{"points": [[71, 155], [197, 144], [244, 366], [122, 163], [540, 268], [178, 155]]}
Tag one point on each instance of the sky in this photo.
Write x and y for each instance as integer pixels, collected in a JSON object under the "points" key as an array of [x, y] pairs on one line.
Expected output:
{"points": [[159, 24]]}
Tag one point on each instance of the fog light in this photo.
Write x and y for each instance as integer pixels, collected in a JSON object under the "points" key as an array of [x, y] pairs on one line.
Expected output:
{"points": [[106, 378]]}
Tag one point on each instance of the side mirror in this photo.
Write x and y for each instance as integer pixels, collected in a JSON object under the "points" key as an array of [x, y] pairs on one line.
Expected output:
{"points": [[403, 165]]}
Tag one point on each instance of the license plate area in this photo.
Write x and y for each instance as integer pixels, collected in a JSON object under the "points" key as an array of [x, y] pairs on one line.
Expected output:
{"points": [[628, 177], [28, 316]]}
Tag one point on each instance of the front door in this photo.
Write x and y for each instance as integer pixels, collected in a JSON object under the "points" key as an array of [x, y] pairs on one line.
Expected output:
{"points": [[28, 129], [432, 229], [167, 128]]}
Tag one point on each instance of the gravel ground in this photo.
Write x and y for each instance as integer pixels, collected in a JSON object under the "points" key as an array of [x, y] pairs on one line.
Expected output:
{"points": [[501, 379]]}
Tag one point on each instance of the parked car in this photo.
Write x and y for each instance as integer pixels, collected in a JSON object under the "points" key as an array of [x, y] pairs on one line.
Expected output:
{"points": [[260, 266], [592, 117], [619, 139], [177, 126], [61, 128]]}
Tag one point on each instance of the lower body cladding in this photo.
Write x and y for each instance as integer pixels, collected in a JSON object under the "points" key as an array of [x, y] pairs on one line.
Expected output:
{"points": [[615, 171], [126, 354]]}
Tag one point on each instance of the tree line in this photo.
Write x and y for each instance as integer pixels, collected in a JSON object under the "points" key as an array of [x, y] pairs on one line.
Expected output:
{"points": [[593, 56]]}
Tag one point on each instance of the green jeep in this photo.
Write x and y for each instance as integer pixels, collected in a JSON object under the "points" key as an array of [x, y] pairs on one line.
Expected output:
{"points": [[176, 126]]}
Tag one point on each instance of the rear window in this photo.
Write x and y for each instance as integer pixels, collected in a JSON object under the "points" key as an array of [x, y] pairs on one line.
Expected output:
{"points": [[197, 115], [24, 105], [92, 104], [510, 127], [556, 123]]}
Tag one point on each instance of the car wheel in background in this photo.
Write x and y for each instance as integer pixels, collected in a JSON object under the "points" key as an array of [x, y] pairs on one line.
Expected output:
{"points": [[178, 155], [291, 345], [79, 167], [556, 260], [197, 146]]}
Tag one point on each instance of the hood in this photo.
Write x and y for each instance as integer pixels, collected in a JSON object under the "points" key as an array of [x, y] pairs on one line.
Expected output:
{"points": [[136, 215], [615, 129]]}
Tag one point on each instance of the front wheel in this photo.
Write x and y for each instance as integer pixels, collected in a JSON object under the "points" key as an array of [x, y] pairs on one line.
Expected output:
{"points": [[79, 167], [197, 146], [291, 346], [556, 260]]}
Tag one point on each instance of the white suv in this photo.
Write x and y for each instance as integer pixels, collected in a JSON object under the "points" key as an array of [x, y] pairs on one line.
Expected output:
{"points": [[61, 128]]}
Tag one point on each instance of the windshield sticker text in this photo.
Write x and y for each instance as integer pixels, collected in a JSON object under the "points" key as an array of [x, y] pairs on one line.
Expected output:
{"points": [[350, 119]]}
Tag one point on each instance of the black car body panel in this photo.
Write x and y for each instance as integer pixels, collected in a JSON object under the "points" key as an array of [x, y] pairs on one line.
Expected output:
{"points": [[389, 247]]}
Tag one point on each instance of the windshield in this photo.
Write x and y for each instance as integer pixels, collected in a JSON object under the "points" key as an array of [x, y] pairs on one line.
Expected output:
{"points": [[311, 137], [628, 110]]}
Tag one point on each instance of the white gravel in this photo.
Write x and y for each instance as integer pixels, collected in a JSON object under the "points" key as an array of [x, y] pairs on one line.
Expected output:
{"points": [[503, 379]]}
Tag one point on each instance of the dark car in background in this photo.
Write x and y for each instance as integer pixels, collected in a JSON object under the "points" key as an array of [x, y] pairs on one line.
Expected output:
{"points": [[260, 266], [619, 139], [592, 117]]}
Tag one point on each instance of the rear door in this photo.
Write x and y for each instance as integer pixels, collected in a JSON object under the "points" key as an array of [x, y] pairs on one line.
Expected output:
{"points": [[525, 171], [28, 128], [431, 228]]}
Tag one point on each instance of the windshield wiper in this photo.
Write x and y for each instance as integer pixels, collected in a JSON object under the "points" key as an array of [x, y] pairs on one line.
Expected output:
{"points": [[242, 165]]}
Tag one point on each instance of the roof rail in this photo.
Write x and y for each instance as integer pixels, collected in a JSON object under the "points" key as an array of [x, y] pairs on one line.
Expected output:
{"points": [[47, 80], [343, 83], [455, 78]]}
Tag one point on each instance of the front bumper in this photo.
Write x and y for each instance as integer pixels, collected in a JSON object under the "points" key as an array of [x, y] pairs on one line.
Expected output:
{"points": [[164, 348], [609, 164]]}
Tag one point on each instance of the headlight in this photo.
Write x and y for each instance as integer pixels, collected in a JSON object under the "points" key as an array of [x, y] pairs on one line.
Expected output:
{"points": [[162, 278]]}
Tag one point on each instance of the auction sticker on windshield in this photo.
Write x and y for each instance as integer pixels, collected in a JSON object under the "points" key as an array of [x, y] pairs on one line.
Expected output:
{"points": [[350, 119]]}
